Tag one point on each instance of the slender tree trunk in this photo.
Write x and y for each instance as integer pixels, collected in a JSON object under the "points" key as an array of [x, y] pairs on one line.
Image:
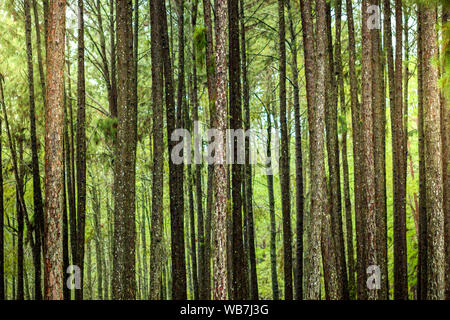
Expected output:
{"points": [[316, 114], [284, 159], [400, 257], [433, 160], [379, 153], [156, 231], [239, 261], [81, 148], [124, 285], [422, 254], [299, 199], [253, 289], [210, 78], [367, 139], [175, 188], [220, 168], [333, 163], [328, 242], [198, 169], [54, 126], [37, 195], [347, 200]]}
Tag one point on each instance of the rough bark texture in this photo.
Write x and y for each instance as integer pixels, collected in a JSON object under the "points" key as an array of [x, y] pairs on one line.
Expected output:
{"points": [[54, 125], [346, 186], [239, 262], [433, 161], [333, 163], [124, 285], [299, 199], [81, 148], [220, 169], [369, 210], [284, 159], [445, 134], [253, 292], [316, 114], [422, 252], [176, 177], [357, 161], [379, 125], [400, 255], [156, 231]]}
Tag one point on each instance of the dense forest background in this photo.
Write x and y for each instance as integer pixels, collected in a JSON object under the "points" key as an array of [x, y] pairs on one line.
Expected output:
{"points": [[350, 104]]}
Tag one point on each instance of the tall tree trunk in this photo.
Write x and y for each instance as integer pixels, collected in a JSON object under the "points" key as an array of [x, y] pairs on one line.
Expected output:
{"points": [[125, 163], [175, 188], [433, 164], [210, 78], [357, 161], [239, 261], [81, 148], [37, 195], [299, 199], [347, 200], [284, 159], [54, 126], [156, 231], [113, 106], [422, 252], [220, 281], [367, 139], [273, 227], [379, 153], [323, 87], [333, 163], [400, 256], [445, 133], [253, 289], [316, 113]]}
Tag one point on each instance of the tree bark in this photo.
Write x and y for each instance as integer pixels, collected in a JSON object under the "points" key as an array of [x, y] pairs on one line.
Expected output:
{"points": [[37, 194], [433, 161], [81, 149], [284, 159], [54, 126], [299, 199], [124, 286], [156, 231], [220, 281]]}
